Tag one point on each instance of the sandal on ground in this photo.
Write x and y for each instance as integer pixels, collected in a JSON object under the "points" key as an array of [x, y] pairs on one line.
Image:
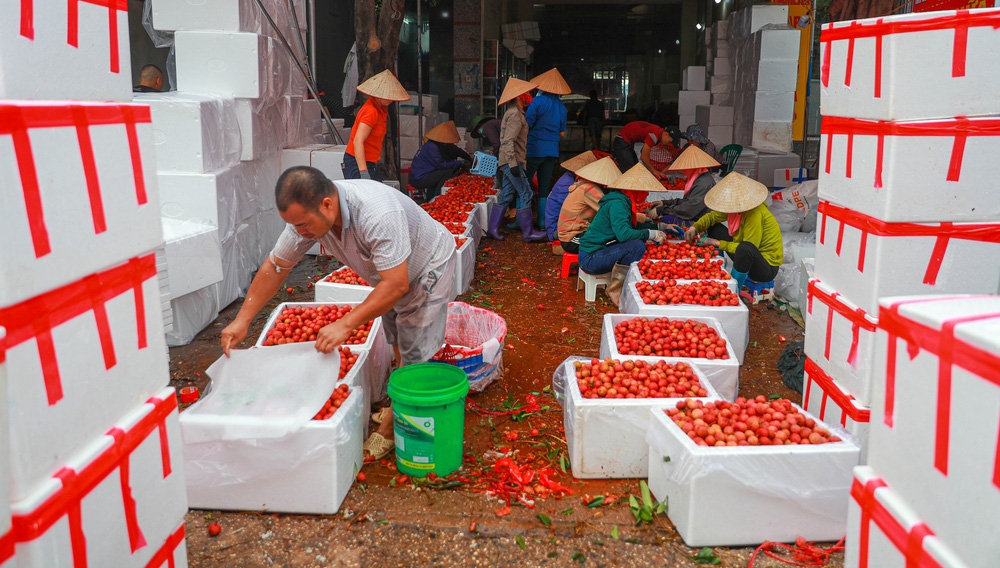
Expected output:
{"points": [[377, 446], [378, 417]]}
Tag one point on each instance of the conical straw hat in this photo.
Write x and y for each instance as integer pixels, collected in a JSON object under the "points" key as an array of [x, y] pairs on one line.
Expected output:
{"points": [[637, 178], [446, 133], [692, 158], [514, 88], [552, 82], [578, 161], [601, 172], [735, 194], [384, 86]]}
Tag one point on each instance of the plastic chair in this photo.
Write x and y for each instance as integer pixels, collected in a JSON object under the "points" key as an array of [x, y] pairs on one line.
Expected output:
{"points": [[761, 291], [591, 282], [569, 259], [731, 152]]}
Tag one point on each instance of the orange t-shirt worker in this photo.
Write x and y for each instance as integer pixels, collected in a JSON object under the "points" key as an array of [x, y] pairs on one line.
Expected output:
{"points": [[365, 145]]}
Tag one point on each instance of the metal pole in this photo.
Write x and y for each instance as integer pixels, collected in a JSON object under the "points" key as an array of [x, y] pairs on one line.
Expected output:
{"points": [[298, 34], [805, 119], [420, 76], [312, 38]]}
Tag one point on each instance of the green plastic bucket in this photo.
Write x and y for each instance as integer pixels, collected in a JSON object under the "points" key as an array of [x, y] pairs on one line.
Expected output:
{"points": [[428, 412]]}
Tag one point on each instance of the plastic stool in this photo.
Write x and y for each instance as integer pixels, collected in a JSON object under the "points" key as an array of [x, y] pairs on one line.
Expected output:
{"points": [[592, 281], [760, 290], [568, 260]]}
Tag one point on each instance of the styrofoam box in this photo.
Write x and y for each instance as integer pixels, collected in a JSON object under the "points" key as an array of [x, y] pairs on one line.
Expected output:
{"points": [[68, 213], [840, 338], [917, 50], [687, 101], [775, 493], [329, 160], [605, 436], [807, 271], [719, 84], [768, 162], [465, 265], [747, 21], [4, 455], [37, 60], [693, 78], [308, 471], [476, 227], [777, 45], [823, 396], [374, 335], [132, 474], [194, 15], [777, 75], [884, 531], [232, 64], [724, 374], [300, 156], [193, 132], [408, 125], [870, 167], [194, 255], [192, 313], [220, 198], [360, 376], [720, 30], [720, 135], [714, 115], [722, 99], [734, 319], [262, 130], [65, 368], [335, 292], [311, 111], [865, 266], [430, 107], [774, 136], [721, 66], [408, 147], [686, 120], [933, 434], [634, 275], [774, 107]]}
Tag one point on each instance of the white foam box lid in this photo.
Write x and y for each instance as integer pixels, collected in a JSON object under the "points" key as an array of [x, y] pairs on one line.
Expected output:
{"points": [[734, 319], [925, 71], [231, 64], [307, 471], [825, 398], [687, 101], [605, 436], [912, 177], [217, 15], [53, 232], [714, 115], [693, 78], [935, 440], [336, 292], [902, 263], [373, 334], [894, 535], [329, 160], [219, 198], [840, 338], [155, 484], [724, 374], [772, 135], [194, 255], [37, 60], [193, 132], [775, 493]]}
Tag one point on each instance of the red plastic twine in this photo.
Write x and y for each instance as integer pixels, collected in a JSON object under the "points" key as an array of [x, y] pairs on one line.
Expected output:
{"points": [[943, 232], [857, 317], [36, 317], [165, 554], [16, 120], [959, 128], [843, 400], [73, 23], [950, 351], [909, 542], [78, 484], [960, 21]]}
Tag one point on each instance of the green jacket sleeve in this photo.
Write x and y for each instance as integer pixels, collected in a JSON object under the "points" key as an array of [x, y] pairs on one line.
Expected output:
{"points": [[621, 223], [712, 218]]}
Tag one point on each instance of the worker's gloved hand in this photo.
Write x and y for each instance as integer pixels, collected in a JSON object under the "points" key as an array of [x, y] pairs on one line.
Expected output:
{"points": [[690, 235], [672, 230], [516, 172], [366, 175], [655, 204], [659, 237], [641, 218]]}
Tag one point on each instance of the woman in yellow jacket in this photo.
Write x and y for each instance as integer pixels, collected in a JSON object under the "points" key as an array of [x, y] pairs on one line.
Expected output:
{"points": [[751, 238]]}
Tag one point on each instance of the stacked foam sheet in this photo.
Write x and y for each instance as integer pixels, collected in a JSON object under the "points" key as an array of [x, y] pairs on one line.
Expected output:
{"points": [[219, 142], [902, 213], [95, 475]]}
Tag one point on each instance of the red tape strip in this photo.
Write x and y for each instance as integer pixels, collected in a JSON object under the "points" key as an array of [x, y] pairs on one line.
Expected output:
{"points": [[950, 352], [165, 554], [36, 317], [27, 28], [78, 484], [6, 546], [843, 400], [857, 317], [908, 542], [943, 232]]}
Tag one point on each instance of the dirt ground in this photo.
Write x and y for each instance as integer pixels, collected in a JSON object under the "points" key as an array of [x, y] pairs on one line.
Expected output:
{"points": [[398, 524]]}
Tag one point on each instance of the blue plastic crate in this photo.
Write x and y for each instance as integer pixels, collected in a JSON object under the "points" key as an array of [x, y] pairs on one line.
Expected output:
{"points": [[484, 165]]}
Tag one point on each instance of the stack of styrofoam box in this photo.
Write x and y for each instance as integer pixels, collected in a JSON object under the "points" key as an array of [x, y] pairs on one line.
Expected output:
{"points": [[904, 211], [409, 139], [720, 80], [97, 478], [692, 94], [766, 54], [717, 122], [768, 162]]}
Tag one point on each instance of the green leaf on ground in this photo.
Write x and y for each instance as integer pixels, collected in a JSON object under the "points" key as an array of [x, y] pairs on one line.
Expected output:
{"points": [[548, 388], [562, 463], [614, 532], [566, 511], [706, 556], [596, 502], [552, 554], [579, 557], [774, 397], [545, 519], [520, 542]]}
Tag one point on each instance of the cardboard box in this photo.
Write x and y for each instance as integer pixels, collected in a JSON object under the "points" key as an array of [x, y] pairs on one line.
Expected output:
{"points": [[824, 397], [922, 73], [335, 292], [193, 132], [883, 530], [866, 259], [724, 374], [935, 412], [713, 115], [734, 319], [308, 471], [911, 171], [218, 15], [693, 78], [120, 501], [194, 255], [773, 136], [221, 198], [75, 200], [776, 493], [687, 101], [50, 52], [605, 436]]}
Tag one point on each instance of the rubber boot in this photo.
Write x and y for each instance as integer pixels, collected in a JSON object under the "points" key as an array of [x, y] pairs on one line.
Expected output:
{"points": [[512, 225], [614, 287], [740, 277], [541, 213], [528, 233], [493, 231]]}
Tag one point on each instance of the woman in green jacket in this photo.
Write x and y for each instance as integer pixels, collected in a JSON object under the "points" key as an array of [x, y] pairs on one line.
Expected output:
{"points": [[752, 238]]}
